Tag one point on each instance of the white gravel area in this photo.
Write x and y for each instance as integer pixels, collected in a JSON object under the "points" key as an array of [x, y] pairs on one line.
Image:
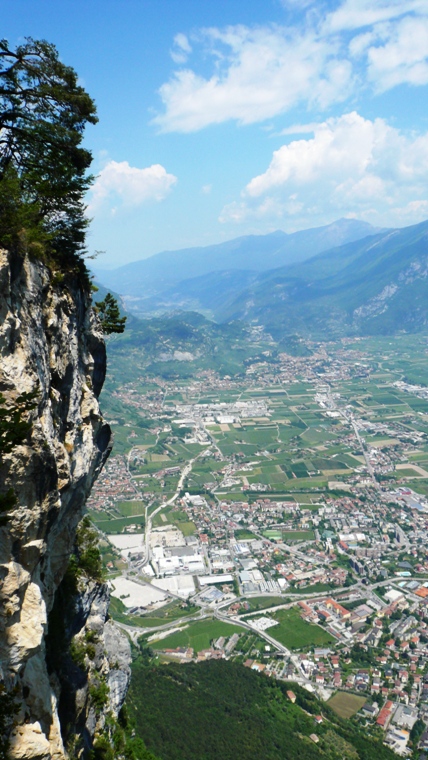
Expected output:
{"points": [[135, 595]]}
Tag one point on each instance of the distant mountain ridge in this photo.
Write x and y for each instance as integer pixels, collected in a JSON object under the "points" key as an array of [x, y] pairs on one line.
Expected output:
{"points": [[378, 285], [374, 285], [253, 254]]}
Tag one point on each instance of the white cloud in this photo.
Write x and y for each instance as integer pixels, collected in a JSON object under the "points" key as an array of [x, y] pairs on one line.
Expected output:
{"points": [[356, 14], [418, 208], [118, 181], [350, 165], [299, 129], [403, 58], [181, 49], [269, 207], [260, 72]]}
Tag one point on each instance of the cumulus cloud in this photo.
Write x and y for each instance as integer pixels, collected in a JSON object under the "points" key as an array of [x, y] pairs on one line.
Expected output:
{"points": [[260, 72], [403, 58], [356, 14], [118, 182], [181, 49], [350, 164]]}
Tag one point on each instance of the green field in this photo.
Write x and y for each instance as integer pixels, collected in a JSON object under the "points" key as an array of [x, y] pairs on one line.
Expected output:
{"points": [[296, 633], [130, 508], [298, 535], [109, 524], [346, 705], [263, 603], [243, 534], [198, 635], [169, 612], [315, 588], [273, 535]]}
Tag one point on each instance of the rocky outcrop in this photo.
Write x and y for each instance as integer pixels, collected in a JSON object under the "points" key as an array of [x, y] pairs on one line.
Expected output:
{"points": [[49, 343], [93, 667]]}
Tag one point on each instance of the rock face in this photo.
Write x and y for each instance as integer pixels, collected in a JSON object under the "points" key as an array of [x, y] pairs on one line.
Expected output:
{"points": [[49, 343], [99, 656]]}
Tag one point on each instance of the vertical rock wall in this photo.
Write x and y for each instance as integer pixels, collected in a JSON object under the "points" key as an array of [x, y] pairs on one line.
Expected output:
{"points": [[48, 343]]}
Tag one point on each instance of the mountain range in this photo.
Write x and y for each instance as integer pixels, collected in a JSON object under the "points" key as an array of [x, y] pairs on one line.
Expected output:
{"points": [[374, 282], [149, 277], [377, 285]]}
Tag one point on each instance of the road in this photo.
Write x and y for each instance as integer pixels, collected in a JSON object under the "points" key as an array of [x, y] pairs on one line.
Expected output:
{"points": [[365, 453], [349, 418], [149, 518], [206, 612]]}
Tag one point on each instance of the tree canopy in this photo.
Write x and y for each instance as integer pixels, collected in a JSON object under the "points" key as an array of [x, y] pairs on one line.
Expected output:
{"points": [[109, 315], [43, 166]]}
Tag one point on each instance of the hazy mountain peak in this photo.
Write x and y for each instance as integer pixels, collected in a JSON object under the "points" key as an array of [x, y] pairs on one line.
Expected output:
{"points": [[256, 253]]}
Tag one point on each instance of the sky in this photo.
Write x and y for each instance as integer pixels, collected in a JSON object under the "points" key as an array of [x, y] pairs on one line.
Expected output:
{"points": [[231, 118]]}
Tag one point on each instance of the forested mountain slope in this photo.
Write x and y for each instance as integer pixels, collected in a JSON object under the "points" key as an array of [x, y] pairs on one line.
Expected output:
{"points": [[220, 709], [373, 286]]}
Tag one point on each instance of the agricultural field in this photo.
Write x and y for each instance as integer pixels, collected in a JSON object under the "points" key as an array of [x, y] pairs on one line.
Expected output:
{"points": [[198, 635], [293, 450], [345, 705], [295, 633]]}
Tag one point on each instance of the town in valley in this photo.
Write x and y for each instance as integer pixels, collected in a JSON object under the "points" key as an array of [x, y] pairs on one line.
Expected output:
{"points": [[279, 518]]}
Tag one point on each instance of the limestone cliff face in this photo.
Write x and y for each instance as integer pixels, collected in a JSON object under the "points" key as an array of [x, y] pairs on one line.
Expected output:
{"points": [[49, 343]]}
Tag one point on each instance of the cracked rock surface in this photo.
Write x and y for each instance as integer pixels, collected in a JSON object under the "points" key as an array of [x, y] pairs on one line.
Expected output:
{"points": [[49, 343]]}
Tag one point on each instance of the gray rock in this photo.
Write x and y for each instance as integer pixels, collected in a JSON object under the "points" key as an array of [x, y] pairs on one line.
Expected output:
{"points": [[49, 343]]}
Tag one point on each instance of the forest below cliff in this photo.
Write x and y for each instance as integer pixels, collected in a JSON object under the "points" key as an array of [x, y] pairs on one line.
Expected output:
{"points": [[220, 709]]}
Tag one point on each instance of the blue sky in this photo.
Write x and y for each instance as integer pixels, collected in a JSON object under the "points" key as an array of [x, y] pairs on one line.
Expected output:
{"points": [[229, 118]]}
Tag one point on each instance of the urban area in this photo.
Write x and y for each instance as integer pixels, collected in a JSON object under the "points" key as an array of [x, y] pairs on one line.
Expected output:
{"points": [[279, 519]]}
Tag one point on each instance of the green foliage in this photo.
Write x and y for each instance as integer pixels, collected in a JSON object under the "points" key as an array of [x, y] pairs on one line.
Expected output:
{"points": [[89, 561], [109, 315], [417, 731], [79, 649], [118, 740], [43, 180], [77, 653], [99, 695], [222, 710], [102, 749], [14, 428]]}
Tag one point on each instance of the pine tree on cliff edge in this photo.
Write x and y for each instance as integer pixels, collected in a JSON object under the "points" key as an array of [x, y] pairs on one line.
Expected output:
{"points": [[43, 166]]}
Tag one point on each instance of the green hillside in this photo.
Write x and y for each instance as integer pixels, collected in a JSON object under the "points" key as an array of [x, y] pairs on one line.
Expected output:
{"points": [[373, 286], [222, 710], [175, 344]]}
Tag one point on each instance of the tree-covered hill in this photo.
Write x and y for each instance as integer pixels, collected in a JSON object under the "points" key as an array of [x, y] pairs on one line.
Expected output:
{"points": [[176, 344], [220, 709], [370, 287]]}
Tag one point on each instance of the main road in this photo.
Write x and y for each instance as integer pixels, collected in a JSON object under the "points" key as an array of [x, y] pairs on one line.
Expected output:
{"points": [[149, 518]]}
